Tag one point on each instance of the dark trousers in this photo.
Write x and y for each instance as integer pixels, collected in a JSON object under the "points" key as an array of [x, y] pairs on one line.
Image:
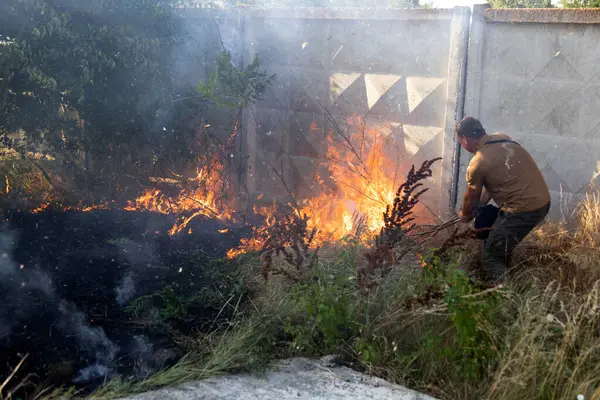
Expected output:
{"points": [[508, 230]]}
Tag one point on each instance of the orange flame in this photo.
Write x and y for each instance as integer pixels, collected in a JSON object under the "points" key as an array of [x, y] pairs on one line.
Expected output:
{"points": [[364, 176], [202, 197]]}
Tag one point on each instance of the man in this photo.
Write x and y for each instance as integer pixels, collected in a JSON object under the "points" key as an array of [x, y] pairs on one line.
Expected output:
{"points": [[504, 171]]}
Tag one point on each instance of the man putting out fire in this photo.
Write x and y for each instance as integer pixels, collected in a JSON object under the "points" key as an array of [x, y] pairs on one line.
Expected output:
{"points": [[503, 171]]}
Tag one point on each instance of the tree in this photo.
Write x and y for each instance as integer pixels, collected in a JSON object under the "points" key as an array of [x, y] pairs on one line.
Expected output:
{"points": [[521, 3], [580, 3], [86, 77]]}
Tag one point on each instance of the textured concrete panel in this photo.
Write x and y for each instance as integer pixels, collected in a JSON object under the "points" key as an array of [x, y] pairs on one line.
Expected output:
{"points": [[538, 84], [391, 70], [384, 47]]}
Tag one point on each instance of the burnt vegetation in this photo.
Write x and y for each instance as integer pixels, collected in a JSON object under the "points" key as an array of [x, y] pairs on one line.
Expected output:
{"points": [[291, 239]]}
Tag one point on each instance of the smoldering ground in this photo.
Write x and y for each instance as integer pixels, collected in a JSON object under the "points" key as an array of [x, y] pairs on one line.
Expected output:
{"points": [[67, 278]]}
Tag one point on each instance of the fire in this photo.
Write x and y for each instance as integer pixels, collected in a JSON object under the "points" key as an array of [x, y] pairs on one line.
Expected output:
{"points": [[79, 207], [203, 195], [364, 179], [422, 260], [257, 240], [363, 176]]}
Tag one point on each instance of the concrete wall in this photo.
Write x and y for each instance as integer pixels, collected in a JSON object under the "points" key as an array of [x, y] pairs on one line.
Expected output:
{"points": [[400, 71], [535, 75]]}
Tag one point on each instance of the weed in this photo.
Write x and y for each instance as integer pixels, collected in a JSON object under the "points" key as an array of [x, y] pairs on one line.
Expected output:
{"points": [[398, 221], [322, 321]]}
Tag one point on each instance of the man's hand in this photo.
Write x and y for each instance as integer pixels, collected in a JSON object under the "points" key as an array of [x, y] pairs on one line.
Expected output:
{"points": [[465, 219]]}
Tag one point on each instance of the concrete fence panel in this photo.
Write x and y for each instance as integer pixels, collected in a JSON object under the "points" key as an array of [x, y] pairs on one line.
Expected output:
{"points": [[535, 75], [398, 72]]}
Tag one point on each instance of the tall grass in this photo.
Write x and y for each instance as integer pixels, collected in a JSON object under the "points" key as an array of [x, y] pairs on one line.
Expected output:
{"points": [[536, 338]]}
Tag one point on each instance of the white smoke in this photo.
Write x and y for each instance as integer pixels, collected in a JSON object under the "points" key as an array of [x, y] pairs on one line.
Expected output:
{"points": [[126, 289], [91, 339], [143, 352], [91, 373], [26, 283]]}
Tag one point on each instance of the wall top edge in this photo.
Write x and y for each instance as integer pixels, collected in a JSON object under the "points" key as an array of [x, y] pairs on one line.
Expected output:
{"points": [[543, 15], [336, 13]]}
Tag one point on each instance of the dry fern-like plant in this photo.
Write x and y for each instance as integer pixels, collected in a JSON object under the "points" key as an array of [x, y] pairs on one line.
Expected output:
{"points": [[290, 238], [398, 222]]}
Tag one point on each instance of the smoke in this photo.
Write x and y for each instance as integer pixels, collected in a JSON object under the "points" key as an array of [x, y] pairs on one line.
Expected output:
{"points": [[91, 373], [126, 289], [92, 340], [143, 353], [20, 283], [23, 286]]}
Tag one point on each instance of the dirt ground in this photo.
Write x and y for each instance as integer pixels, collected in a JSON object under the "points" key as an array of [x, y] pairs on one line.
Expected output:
{"points": [[67, 277]]}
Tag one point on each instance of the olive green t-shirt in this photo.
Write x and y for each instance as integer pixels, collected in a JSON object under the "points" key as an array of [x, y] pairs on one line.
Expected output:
{"points": [[509, 174]]}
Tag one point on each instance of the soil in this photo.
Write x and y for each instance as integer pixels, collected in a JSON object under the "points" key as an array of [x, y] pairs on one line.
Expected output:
{"points": [[67, 277]]}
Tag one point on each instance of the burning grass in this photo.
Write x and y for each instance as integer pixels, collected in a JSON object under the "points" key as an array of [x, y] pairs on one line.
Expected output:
{"points": [[421, 321]]}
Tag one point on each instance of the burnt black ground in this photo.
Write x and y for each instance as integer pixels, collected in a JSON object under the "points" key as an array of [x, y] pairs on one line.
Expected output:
{"points": [[58, 277]]}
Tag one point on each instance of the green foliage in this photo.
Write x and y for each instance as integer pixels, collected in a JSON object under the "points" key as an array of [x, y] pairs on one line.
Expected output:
{"points": [[462, 341], [472, 347], [235, 87], [521, 3], [323, 320], [580, 3], [21, 179], [223, 287], [163, 306], [86, 77]]}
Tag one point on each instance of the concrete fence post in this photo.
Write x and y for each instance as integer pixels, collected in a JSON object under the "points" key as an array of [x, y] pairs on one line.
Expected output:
{"points": [[472, 91], [457, 65]]}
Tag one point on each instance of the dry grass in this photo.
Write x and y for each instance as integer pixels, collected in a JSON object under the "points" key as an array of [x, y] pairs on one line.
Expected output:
{"points": [[554, 349], [567, 252]]}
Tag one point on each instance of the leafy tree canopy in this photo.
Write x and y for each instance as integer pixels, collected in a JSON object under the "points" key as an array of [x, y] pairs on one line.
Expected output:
{"points": [[521, 3], [580, 3], [85, 75]]}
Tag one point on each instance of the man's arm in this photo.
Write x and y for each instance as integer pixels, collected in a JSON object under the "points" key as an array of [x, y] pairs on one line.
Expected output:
{"points": [[474, 193], [470, 203]]}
